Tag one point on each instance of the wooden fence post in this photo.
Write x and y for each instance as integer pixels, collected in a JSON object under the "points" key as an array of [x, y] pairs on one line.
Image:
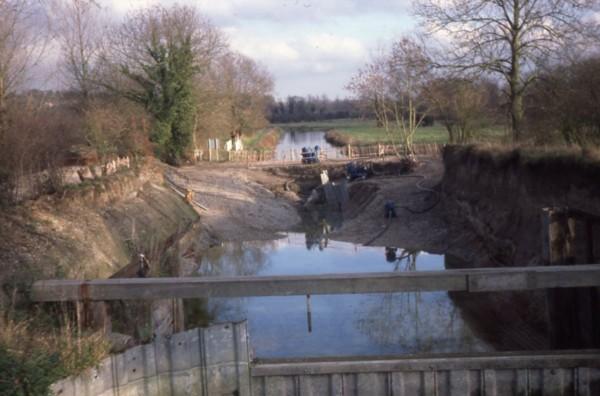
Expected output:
{"points": [[571, 312]]}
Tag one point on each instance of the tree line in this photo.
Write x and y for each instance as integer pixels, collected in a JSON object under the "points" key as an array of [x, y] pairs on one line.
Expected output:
{"points": [[160, 81], [532, 65], [314, 108]]}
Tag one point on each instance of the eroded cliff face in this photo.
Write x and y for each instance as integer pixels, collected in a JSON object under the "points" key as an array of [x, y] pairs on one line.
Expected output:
{"points": [[92, 230], [497, 197], [494, 201]]}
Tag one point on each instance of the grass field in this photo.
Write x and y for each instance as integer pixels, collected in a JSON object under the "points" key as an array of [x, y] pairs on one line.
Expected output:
{"points": [[366, 131]]}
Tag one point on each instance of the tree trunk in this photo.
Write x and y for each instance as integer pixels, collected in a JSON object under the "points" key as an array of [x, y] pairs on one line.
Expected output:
{"points": [[516, 91], [3, 120], [516, 110]]}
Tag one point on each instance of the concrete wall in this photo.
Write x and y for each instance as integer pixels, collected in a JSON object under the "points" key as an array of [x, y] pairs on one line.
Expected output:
{"points": [[199, 362], [216, 361], [563, 382]]}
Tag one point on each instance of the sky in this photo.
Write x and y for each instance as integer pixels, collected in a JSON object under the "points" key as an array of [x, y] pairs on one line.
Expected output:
{"points": [[311, 47]]}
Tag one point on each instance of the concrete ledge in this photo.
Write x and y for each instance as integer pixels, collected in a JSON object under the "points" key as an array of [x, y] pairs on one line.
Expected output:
{"points": [[496, 361], [472, 280]]}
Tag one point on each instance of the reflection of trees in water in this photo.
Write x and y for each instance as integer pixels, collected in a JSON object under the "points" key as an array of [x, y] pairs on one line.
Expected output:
{"points": [[318, 236], [403, 259], [317, 226], [414, 322], [230, 259], [236, 259]]}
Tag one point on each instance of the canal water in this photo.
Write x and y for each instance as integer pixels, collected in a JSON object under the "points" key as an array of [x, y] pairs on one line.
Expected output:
{"points": [[340, 325], [291, 143]]}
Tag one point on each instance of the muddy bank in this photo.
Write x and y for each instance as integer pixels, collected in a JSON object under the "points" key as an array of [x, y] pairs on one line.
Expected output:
{"points": [[493, 202], [92, 230], [499, 196], [419, 224]]}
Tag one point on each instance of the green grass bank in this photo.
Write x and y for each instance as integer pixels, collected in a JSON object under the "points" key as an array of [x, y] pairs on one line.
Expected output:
{"points": [[365, 132]]}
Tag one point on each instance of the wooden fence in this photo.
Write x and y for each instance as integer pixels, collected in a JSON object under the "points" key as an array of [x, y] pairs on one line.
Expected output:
{"points": [[349, 152]]}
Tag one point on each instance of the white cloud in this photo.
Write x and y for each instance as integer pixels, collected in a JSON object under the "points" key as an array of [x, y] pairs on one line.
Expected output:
{"points": [[274, 10], [310, 46], [265, 50], [336, 47]]}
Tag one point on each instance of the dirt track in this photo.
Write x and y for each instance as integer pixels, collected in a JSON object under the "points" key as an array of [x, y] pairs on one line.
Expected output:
{"points": [[247, 204], [242, 204]]}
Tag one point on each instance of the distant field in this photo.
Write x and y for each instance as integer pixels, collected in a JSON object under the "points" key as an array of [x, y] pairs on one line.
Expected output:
{"points": [[366, 131]]}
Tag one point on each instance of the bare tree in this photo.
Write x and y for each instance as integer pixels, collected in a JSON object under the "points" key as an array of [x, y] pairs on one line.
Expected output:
{"points": [[232, 97], [77, 24], [507, 37], [22, 42], [393, 83], [461, 104], [247, 85], [563, 103]]}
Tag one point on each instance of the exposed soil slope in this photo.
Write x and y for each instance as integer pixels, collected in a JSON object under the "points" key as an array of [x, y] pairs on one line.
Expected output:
{"points": [[91, 231]]}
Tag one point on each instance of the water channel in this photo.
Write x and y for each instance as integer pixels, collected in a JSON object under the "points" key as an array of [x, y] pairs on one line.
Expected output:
{"points": [[342, 325], [291, 143]]}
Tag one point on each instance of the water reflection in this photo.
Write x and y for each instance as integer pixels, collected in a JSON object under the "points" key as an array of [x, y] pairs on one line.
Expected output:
{"points": [[403, 259], [291, 142], [317, 225], [236, 259], [417, 323], [339, 324]]}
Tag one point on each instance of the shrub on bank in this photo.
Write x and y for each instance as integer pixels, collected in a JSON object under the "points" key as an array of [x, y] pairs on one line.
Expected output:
{"points": [[35, 353], [552, 160], [337, 138], [263, 140]]}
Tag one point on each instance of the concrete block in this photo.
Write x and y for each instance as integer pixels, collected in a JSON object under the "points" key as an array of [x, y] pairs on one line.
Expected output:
{"points": [[283, 386], [314, 385], [223, 379], [101, 378], [215, 338], [371, 384], [557, 382], [63, 388], [406, 383], [429, 382], [134, 368], [149, 361], [350, 382], [441, 382], [183, 383], [183, 346], [534, 381], [258, 386], [162, 355], [520, 381], [336, 385]]}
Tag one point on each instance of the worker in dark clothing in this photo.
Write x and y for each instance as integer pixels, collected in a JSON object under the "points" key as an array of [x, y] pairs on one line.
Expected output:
{"points": [[390, 209]]}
